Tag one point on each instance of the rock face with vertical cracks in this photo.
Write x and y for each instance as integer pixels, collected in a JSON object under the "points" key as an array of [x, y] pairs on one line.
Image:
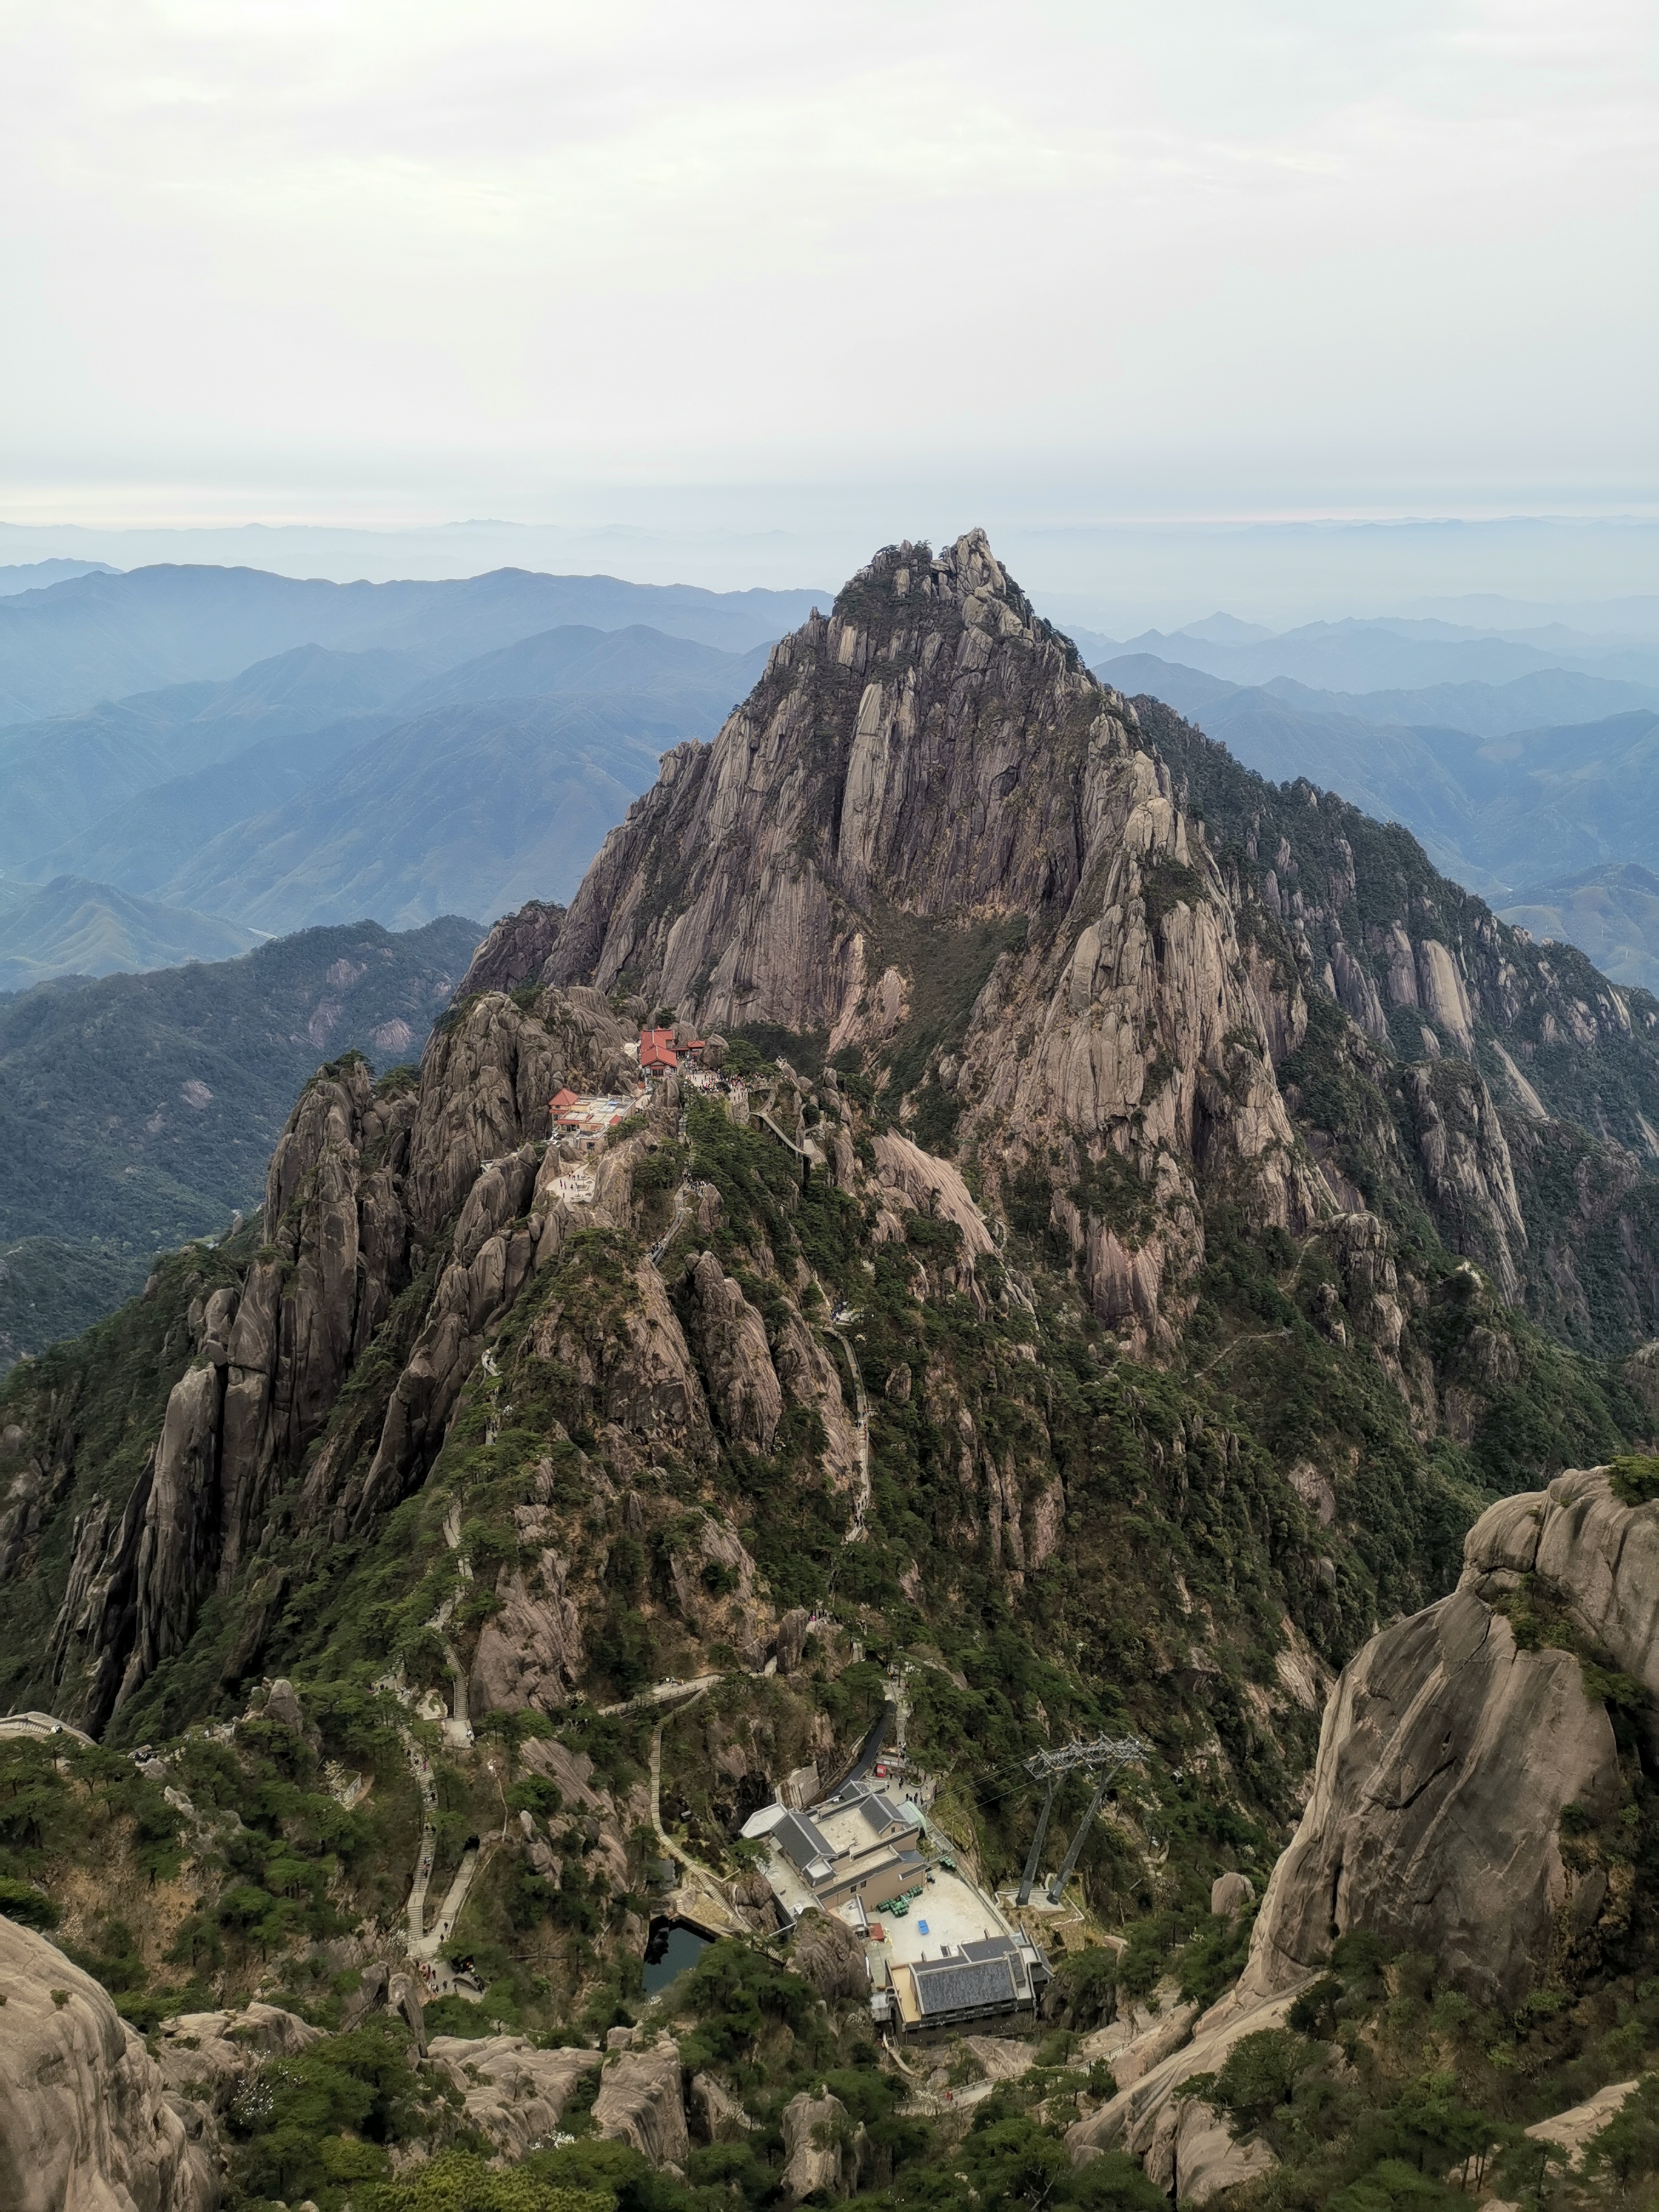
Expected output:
{"points": [[516, 949], [359, 1190], [274, 1359], [730, 1338], [934, 753]]}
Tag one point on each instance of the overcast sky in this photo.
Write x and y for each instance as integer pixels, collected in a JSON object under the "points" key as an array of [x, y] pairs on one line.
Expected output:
{"points": [[429, 258]]}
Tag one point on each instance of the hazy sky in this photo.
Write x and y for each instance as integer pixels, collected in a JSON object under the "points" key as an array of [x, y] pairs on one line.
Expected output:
{"points": [[342, 259]]}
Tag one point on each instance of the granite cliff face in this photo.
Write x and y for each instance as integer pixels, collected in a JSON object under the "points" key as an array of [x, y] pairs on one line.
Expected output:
{"points": [[1466, 1801], [86, 2121], [929, 785], [1454, 1741], [1434, 1057]]}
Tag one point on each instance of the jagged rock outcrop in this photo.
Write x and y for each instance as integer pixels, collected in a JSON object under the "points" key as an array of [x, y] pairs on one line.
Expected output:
{"points": [[828, 1953], [920, 652], [276, 1356], [1642, 1377], [513, 2092], [1447, 1755], [935, 749], [358, 1185], [485, 1082], [641, 2102], [815, 2142], [1448, 1752], [516, 949], [206, 2056], [86, 2123], [730, 1338], [808, 1376]]}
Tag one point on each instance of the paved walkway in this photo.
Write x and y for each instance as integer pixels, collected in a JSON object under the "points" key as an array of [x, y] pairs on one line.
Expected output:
{"points": [[811, 1152], [664, 1694]]}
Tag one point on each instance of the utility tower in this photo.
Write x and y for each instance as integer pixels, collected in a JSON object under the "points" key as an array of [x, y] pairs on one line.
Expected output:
{"points": [[1105, 1758]]}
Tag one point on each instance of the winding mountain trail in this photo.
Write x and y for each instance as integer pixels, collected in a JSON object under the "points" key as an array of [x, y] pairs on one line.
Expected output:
{"points": [[690, 1188], [810, 1151], [708, 1879], [664, 1694], [423, 1943], [421, 1767]]}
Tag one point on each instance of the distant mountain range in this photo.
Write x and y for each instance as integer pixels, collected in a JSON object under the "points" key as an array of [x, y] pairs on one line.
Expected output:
{"points": [[104, 635], [320, 786], [1500, 800], [140, 1110], [71, 926], [35, 575], [1611, 913], [1379, 655]]}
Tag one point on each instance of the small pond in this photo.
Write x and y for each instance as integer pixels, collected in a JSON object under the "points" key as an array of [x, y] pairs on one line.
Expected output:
{"points": [[673, 1947]]}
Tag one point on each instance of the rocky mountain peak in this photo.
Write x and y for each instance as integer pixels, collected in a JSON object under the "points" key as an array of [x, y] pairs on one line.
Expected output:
{"points": [[912, 579], [932, 841]]}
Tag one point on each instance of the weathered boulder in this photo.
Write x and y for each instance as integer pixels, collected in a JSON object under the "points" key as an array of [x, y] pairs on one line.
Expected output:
{"points": [[792, 1638], [640, 2102], [1447, 1754], [207, 2055], [1231, 1894], [1194, 2155], [1445, 1759], [815, 2133], [282, 1705], [1571, 2130], [1142, 2038], [514, 2093], [1145, 2118], [1000, 2058], [85, 2124]]}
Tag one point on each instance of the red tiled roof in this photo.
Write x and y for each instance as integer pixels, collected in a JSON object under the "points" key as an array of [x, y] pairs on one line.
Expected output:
{"points": [[560, 1101]]}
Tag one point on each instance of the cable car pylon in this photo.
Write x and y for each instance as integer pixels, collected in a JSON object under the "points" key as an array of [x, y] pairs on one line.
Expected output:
{"points": [[1106, 1756]]}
